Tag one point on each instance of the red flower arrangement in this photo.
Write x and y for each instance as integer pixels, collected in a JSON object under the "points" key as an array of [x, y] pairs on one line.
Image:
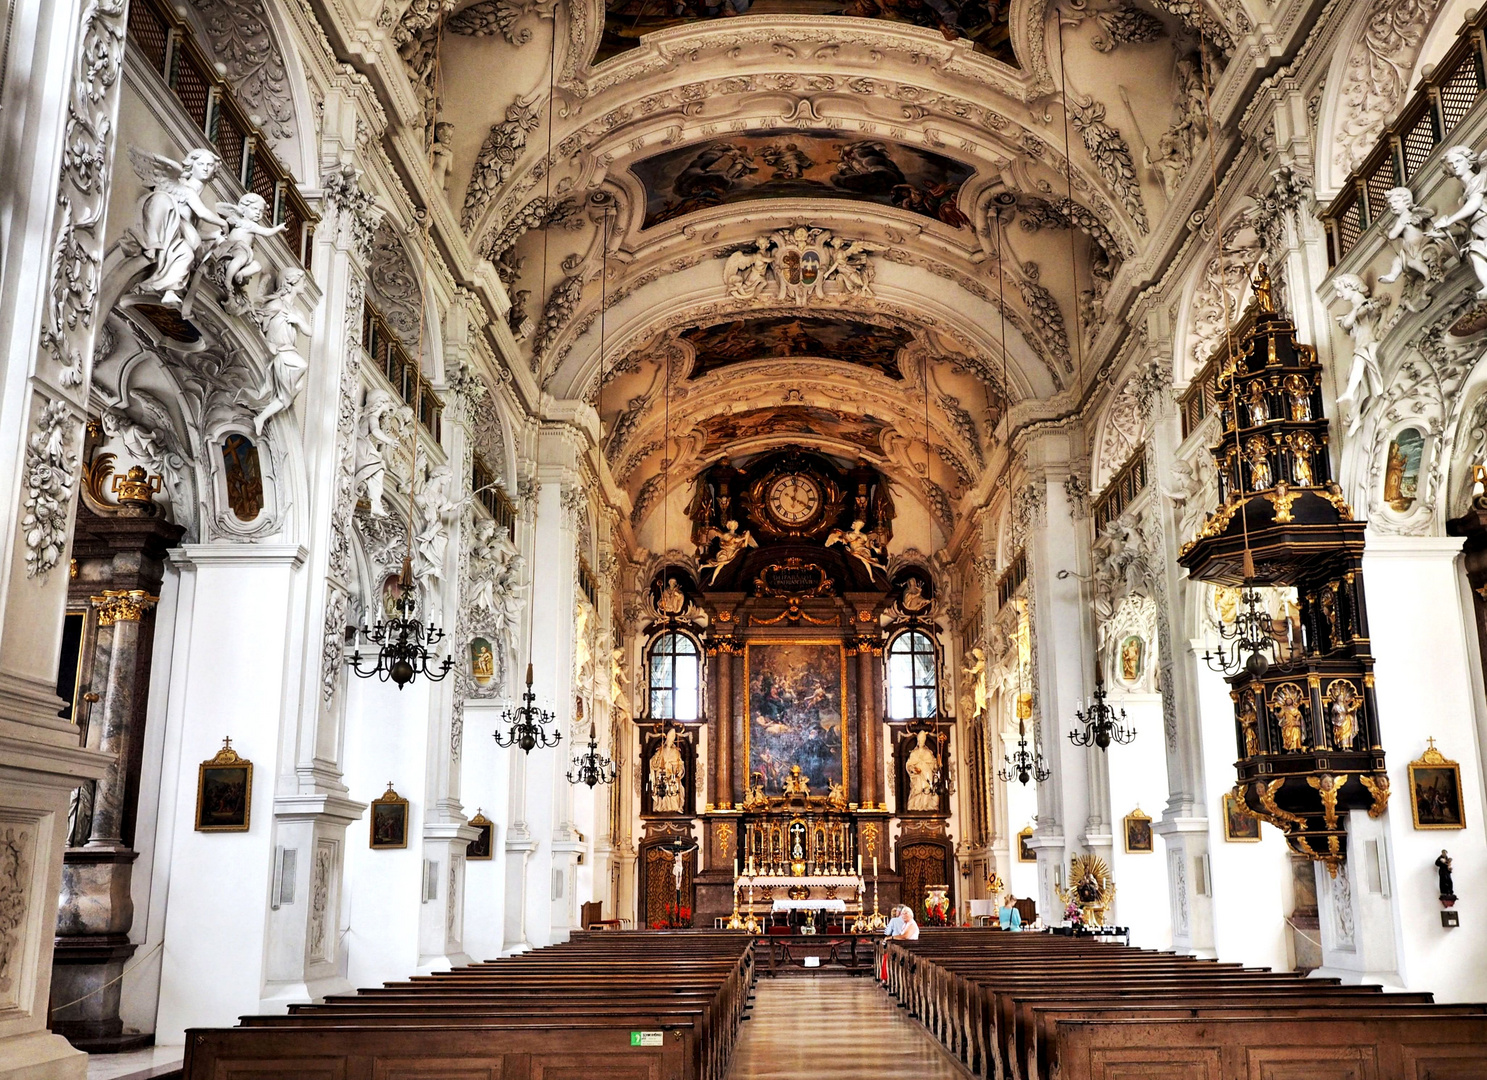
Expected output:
{"points": [[938, 912], [678, 917]]}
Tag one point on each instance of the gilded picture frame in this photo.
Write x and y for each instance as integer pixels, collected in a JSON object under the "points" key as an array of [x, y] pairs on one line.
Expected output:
{"points": [[1240, 826], [482, 847], [224, 792], [388, 821], [1139, 839], [817, 787], [1435, 791], [1025, 853]]}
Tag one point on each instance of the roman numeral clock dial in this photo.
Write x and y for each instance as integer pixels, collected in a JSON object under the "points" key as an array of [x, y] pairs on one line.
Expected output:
{"points": [[793, 499]]}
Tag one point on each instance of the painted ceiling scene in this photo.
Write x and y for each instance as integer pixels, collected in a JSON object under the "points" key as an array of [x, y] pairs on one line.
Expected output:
{"points": [[889, 230]]}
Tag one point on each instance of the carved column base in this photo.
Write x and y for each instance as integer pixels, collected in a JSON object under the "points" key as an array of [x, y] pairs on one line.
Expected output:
{"points": [[88, 967]]}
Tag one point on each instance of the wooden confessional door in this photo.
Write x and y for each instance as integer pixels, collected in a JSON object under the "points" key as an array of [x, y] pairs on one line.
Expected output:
{"points": [[921, 864]]}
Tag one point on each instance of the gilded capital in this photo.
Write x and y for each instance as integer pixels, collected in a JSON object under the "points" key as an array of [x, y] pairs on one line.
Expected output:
{"points": [[122, 605]]}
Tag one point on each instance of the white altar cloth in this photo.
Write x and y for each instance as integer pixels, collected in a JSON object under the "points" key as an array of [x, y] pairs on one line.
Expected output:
{"points": [[819, 881], [810, 905]]}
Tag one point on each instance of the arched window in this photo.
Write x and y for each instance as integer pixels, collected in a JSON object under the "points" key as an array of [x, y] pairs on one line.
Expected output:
{"points": [[912, 682], [675, 678]]}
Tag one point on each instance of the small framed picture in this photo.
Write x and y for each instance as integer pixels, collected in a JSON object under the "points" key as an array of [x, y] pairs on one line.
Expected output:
{"points": [[1024, 852], [1240, 826], [1138, 833], [224, 792], [481, 847], [389, 820], [1435, 791]]}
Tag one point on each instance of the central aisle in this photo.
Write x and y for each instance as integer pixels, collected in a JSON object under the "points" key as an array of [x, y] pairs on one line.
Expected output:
{"points": [[806, 1029]]}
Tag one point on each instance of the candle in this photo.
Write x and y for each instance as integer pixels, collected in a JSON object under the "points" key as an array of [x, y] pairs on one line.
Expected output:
{"points": [[875, 866], [859, 864], [735, 867]]}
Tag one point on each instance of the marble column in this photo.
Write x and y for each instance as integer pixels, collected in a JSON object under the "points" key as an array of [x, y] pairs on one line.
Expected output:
{"points": [[59, 93], [723, 729], [868, 722]]}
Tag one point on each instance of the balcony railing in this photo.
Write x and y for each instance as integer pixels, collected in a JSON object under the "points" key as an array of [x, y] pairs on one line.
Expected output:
{"points": [[1198, 400], [1426, 121], [500, 507], [1128, 482], [1011, 579], [387, 352], [168, 44]]}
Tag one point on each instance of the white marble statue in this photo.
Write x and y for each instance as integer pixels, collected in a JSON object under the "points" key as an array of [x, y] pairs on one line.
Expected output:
{"points": [[438, 509], [583, 652], [1461, 162], [483, 555], [282, 323], [731, 544], [746, 273], [619, 690], [668, 776], [1361, 321], [974, 679], [859, 545], [673, 601], [234, 248], [379, 430], [441, 154], [506, 595], [1418, 258], [170, 214], [849, 266], [921, 767]]}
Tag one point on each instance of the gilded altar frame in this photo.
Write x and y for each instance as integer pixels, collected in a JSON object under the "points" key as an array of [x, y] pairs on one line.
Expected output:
{"points": [[748, 719]]}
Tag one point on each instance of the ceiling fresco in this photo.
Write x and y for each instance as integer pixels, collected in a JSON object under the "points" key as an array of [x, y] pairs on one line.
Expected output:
{"points": [[864, 432], [782, 336], [809, 164], [980, 21]]}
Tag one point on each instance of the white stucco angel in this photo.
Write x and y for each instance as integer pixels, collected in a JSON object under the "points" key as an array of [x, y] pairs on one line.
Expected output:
{"points": [[859, 545], [1461, 162], [849, 265], [746, 273], [379, 429], [731, 544], [506, 595], [234, 247], [483, 555], [1417, 257], [1361, 321], [282, 323], [169, 216], [619, 689], [438, 509], [583, 652]]}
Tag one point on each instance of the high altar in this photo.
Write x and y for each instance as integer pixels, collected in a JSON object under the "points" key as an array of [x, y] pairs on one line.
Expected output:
{"points": [[781, 778]]}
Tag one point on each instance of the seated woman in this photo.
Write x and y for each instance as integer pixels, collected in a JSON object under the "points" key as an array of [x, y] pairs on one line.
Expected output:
{"points": [[910, 929]]}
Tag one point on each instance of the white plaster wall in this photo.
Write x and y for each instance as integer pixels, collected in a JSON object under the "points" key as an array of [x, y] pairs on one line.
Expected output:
{"points": [[485, 776], [1138, 778], [1424, 647], [1020, 808]]}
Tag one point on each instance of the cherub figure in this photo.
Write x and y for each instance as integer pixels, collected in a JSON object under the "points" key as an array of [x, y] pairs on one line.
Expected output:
{"points": [[859, 545], [731, 544], [441, 154], [1361, 321], [167, 235], [1415, 253], [745, 273], [234, 247], [849, 264], [1461, 162], [379, 428], [282, 324]]}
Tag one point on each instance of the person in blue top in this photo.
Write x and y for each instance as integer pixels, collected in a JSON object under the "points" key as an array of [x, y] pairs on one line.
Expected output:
{"points": [[1009, 917], [896, 924]]}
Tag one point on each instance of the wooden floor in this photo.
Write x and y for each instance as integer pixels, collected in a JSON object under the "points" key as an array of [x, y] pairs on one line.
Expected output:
{"points": [[823, 1028]]}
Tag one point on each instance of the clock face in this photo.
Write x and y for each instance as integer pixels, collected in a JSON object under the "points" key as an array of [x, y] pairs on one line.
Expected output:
{"points": [[794, 499]]}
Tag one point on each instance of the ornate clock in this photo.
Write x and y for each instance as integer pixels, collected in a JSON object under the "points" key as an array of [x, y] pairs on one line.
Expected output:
{"points": [[793, 499]]}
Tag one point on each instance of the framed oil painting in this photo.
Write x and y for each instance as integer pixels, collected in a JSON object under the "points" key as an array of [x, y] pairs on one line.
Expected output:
{"points": [[1240, 826], [224, 792], [1435, 791], [389, 821], [1024, 852], [796, 694], [482, 847], [1138, 833]]}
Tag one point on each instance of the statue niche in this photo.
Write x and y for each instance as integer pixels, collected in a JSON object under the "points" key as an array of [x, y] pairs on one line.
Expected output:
{"points": [[921, 756], [669, 768]]}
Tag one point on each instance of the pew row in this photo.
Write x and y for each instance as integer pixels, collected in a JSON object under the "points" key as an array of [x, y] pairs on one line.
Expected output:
{"points": [[634, 1006]]}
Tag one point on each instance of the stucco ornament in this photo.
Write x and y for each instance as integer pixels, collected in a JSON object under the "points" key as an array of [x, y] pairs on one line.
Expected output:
{"points": [[51, 467], [282, 323], [497, 157], [1462, 162], [231, 252], [439, 508], [1361, 321], [1418, 258], [355, 207], [170, 215], [379, 430], [797, 264], [1111, 155]]}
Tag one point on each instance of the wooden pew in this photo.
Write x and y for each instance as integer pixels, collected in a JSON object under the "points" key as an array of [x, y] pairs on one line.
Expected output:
{"points": [[1015, 1006], [615, 1006]]}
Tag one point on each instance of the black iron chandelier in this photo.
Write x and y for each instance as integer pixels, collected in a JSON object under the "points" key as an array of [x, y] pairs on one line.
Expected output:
{"points": [[591, 767], [527, 724], [402, 642], [1101, 725], [1023, 766], [1248, 644]]}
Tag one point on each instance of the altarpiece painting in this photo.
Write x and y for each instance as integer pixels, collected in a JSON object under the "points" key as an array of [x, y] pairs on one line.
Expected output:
{"points": [[796, 693]]}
